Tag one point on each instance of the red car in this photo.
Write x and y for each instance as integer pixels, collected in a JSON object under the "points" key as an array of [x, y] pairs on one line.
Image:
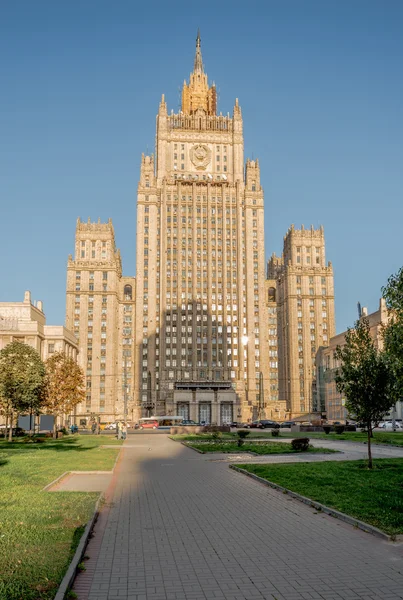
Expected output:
{"points": [[149, 425]]}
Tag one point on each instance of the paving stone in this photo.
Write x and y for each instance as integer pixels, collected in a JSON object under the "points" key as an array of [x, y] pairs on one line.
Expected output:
{"points": [[180, 526]]}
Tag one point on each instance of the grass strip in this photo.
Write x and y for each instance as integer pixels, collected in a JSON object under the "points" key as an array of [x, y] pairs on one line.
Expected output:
{"points": [[390, 438], [39, 531], [258, 448], [373, 496]]}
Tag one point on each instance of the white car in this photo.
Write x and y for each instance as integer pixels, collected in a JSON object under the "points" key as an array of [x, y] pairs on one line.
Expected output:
{"points": [[389, 425], [110, 426]]}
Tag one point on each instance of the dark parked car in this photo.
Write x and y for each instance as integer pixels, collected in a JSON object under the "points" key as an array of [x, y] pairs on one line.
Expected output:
{"points": [[254, 424], [265, 424], [288, 423]]}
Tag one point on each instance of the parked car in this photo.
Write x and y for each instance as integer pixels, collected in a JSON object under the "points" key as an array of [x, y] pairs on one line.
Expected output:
{"points": [[288, 423], [265, 424], [110, 426], [188, 422], [389, 425], [149, 425]]}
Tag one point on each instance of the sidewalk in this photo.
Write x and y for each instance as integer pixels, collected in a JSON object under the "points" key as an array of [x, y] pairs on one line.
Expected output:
{"points": [[183, 526]]}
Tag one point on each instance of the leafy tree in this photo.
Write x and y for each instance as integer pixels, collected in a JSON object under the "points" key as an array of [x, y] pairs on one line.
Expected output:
{"points": [[393, 332], [64, 386], [365, 378], [22, 378]]}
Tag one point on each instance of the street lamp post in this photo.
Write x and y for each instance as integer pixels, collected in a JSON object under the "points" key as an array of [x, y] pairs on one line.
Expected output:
{"points": [[125, 390], [244, 341]]}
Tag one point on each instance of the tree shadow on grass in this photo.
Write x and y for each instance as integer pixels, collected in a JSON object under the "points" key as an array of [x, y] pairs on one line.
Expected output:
{"points": [[22, 445]]}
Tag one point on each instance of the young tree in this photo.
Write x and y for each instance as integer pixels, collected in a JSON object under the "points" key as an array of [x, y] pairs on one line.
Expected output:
{"points": [[22, 378], [393, 332], [64, 386], [365, 378]]}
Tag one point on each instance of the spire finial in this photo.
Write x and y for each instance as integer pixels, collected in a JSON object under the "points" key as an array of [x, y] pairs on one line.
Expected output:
{"points": [[198, 65]]}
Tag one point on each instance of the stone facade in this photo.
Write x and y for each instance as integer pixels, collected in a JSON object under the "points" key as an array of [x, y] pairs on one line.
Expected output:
{"points": [[305, 313], [330, 401], [203, 333], [100, 309], [200, 261], [26, 322]]}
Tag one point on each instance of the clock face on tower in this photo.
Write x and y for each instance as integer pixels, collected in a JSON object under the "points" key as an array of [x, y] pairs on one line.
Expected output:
{"points": [[200, 156]]}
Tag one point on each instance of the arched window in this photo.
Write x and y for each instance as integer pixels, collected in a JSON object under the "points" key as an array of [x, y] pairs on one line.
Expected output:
{"points": [[127, 292], [272, 294]]}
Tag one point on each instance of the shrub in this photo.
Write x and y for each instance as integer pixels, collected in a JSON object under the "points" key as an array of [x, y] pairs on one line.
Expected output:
{"points": [[216, 435], [242, 434], [300, 444], [275, 432], [33, 440], [327, 429], [63, 430], [339, 429], [211, 428]]}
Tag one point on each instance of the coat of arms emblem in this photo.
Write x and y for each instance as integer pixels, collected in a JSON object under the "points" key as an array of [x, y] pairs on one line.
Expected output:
{"points": [[200, 156]]}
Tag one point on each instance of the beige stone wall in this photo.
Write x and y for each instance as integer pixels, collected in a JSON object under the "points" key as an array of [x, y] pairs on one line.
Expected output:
{"points": [[95, 302], [26, 322], [305, 299], [329, 398], [200, 257]]}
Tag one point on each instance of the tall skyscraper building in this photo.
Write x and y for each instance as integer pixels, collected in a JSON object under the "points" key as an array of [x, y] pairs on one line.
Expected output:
{"points": [[201, 331], [100, 309], [305, 314], [200, 284]]}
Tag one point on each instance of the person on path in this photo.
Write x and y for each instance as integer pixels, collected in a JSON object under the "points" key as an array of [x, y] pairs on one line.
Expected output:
{"points": [[93, 428], [119, 430], [124, 430]]}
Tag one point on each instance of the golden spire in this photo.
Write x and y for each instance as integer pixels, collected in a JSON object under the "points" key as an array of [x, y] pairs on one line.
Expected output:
{"points": [[198, 64], [197, 94]]}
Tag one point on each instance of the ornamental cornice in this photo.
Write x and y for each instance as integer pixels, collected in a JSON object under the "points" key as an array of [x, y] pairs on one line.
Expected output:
{"points": [[93, 263]]}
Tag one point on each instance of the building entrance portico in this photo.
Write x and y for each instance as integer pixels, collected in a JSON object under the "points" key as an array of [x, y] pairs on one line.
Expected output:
{"points": [[211, 402]]}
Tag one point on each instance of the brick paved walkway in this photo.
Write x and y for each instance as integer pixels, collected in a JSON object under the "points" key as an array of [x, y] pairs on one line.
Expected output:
{"points": [[185, 527]]}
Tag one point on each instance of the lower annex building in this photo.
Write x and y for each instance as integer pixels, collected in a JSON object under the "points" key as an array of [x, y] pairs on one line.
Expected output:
{"points": [[200, 332]]}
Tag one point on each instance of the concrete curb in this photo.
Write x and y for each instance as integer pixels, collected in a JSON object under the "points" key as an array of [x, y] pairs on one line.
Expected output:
{"points": [[70, 575], [66, 473], [321, 507]]}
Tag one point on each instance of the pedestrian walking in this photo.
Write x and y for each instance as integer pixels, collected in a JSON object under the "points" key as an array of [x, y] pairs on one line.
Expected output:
{"points": [[93, 428], [119, 430], [124, 430]]}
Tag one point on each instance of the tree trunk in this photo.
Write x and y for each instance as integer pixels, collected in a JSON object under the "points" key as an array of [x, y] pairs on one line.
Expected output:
{"points": [[5, 430], [369, 446], [10, 431]]}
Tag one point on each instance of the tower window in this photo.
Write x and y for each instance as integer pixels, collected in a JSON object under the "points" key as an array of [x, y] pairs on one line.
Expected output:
{"points": [[127, 292]]}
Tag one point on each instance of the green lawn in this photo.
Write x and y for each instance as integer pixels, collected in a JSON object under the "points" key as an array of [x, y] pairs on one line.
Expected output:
{"points": [[390, 437], [259, 448], [39, 531], [375, 497]]}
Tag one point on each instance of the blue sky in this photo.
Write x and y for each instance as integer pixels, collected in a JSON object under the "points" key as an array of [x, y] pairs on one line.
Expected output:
{"points": [[321, 89]]}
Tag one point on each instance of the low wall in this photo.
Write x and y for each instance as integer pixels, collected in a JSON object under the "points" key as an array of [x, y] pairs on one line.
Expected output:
{"points": [[182, 429]]}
